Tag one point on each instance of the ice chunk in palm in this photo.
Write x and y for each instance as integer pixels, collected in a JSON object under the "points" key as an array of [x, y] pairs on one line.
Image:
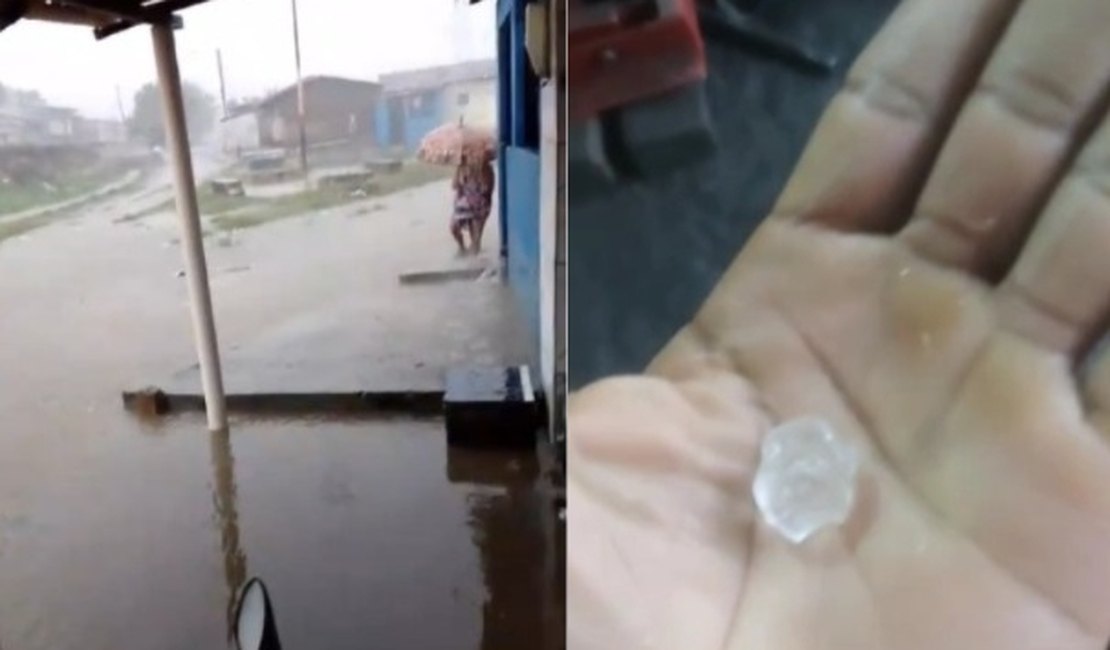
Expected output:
{"points": [[806, 478]]}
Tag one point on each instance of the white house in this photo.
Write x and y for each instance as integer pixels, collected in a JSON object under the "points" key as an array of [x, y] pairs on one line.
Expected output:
{"points": [[239, 130]]}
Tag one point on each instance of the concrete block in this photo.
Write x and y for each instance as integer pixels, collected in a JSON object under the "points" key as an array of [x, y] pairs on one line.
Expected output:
{"points": [[492, 407]]}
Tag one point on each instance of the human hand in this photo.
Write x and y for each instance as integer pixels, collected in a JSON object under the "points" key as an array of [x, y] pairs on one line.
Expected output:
{"points": [[934, 281]]}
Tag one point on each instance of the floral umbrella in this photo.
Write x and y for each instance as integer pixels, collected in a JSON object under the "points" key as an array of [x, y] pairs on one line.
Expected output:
{"points": [[445, 145]]}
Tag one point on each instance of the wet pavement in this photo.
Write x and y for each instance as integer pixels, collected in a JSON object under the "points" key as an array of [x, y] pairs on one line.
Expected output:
{"points": [[122, 533]]}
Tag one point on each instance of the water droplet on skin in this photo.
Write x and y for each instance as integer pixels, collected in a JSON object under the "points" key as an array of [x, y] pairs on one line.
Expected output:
{"points": [[806, 480]]}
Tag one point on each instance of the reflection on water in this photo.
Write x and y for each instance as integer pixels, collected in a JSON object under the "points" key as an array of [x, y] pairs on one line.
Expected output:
{"points": [[226, 518], [511, 566], [512, 528]]}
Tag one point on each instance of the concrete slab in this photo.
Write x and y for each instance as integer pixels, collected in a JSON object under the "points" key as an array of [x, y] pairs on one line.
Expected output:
{"points": [[437, 276], [288, 389], [491, 407], [392, 356]]}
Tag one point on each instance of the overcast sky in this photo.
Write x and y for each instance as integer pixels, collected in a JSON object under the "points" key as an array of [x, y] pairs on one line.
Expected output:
{"points": [[353, 38]]}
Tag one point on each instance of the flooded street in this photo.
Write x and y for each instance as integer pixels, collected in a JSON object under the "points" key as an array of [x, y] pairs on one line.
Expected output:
{"points": [[122, 533]]}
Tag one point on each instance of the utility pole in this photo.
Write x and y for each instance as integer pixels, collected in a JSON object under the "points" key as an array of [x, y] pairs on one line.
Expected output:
{"points": [[300, 93], [119, 105], [223, 89]]}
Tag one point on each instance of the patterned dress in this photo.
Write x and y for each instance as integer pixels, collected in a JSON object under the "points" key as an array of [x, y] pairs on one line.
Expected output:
{"points": [[473, 193]]}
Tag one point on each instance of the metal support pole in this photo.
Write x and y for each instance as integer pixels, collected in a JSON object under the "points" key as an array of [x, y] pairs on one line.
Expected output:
{"points": [[192, 242], [223, 87], [119, 105], [300, 93]]}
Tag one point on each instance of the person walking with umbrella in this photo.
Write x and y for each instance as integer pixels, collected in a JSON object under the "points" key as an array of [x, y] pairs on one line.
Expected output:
{"points": [[481, 181], [467, 206], [471, 151]]}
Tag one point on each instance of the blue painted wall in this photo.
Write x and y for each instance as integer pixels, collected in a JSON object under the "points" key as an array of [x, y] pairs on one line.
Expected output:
{"points": [[518, 60], [382, 135], [518, 164], [415, 122], [522, 195], [419, 121]]}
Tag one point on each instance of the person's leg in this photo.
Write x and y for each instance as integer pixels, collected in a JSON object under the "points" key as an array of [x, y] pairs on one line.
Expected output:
{"points": [[478, 228], [457, 232], [476, 225]]}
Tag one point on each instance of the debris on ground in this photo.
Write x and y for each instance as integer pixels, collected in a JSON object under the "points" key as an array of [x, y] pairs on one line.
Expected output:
{"points": [[368, 209], [226, 239], [227, 187]]}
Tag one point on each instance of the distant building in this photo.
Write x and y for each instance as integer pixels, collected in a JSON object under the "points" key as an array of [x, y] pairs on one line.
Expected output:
{"points": [[110, 131], [59, 124], [14, 129], [239, 131], [337, 109], [20, 122], [25, 119], [417, 101], [95, 131]]}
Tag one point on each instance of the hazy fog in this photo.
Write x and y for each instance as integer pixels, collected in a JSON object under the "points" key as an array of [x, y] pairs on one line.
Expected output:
{"points": [[355, 38]]}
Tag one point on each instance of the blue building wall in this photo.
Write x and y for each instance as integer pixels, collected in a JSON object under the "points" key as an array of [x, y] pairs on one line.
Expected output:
{"points": [[415, 122], [523, 236], [418, 122], [518, 164], [382, 133]]}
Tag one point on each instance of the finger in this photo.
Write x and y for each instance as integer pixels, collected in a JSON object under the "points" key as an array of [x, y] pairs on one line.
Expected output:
{"points": [[1058, 292], [1033, 104], [875, 142]]}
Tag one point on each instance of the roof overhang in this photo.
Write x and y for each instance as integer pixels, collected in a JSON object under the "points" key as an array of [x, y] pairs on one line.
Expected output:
{"points": [[105, 17]]}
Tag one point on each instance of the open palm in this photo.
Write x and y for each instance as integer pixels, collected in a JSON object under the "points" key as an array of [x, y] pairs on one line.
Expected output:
{"points": [[935, 281]]}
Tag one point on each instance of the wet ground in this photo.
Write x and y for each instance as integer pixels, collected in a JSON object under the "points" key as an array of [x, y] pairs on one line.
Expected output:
{"points": [[120, 533]]}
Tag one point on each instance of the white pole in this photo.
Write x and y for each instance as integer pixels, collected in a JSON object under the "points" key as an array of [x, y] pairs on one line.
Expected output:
{"points": [[192, 241], [300, 94]]}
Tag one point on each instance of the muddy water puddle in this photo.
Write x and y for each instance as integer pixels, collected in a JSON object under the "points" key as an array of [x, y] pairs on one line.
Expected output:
{"points": [[117, 533], [368, 533]]}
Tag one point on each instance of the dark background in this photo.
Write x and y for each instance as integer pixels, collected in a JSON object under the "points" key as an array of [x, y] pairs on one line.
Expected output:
{"points": [[643, 258]]}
